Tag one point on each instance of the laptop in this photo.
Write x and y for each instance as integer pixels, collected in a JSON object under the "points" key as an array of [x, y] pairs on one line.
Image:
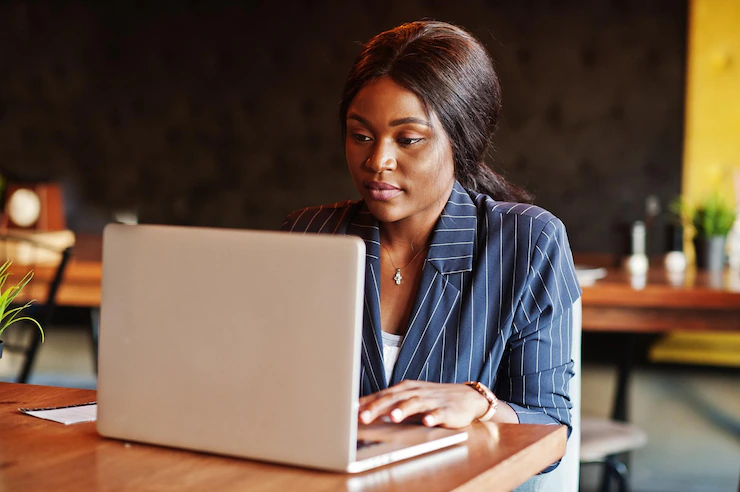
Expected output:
{"points": [[241, 343]]}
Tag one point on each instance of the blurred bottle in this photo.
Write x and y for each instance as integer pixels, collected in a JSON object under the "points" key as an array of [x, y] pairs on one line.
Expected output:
{"points": [[637, 263], [654, 238], [675, 259]]}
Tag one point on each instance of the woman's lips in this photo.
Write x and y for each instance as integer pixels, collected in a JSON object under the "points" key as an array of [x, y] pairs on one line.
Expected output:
{"points": [[381, 191]]}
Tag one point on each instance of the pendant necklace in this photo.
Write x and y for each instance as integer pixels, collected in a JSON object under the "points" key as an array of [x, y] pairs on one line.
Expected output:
{"points": [[398, 278]]}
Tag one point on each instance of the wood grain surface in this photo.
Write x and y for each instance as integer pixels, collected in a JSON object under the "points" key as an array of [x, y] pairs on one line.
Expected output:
{"points": [[699, 301]]}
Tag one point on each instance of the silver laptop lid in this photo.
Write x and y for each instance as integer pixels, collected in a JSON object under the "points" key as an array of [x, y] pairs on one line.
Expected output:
{"points": [[235, 342]]}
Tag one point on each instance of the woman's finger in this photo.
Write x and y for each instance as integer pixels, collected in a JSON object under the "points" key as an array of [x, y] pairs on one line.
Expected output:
{"points": [[382, 405], [445, 417], [438, 416], [421, 403], [405, 385]]}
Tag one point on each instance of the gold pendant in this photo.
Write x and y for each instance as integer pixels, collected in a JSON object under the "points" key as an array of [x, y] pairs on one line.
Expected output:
{"points": [[397, 277]]}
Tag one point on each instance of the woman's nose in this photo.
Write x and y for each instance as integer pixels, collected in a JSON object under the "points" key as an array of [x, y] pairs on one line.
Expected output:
{"points": [[382, 159]]}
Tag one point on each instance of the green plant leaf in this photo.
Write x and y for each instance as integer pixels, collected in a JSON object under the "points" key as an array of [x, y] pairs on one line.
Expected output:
{"points": [[24, 281], [5, 300], [27, 318], [9, 317], [5, 266], [12, 314]]}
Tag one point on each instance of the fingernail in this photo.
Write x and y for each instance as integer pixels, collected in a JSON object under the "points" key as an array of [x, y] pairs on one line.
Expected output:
{"points": [[429, 420], [396, 415], [365, 416]]}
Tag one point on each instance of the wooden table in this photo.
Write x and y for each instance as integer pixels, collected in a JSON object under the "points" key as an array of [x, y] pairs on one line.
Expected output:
{"points": [[699, 301], [42, 455]]}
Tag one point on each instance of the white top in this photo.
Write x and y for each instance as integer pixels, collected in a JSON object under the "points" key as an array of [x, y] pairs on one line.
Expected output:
{"points": [[391, 346]]}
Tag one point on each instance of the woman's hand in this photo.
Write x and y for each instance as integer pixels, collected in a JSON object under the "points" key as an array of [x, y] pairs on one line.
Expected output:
{"points": [[446, 405]]}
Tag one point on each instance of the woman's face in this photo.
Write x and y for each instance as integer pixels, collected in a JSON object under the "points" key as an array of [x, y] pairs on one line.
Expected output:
{"points": [[399, 156]]}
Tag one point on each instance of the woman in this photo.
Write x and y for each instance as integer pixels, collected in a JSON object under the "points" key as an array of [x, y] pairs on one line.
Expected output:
{"points": [[468, 292]]}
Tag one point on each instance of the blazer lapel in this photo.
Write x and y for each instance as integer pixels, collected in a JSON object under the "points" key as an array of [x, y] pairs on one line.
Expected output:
{"points": [[365, 226], [450, 254]]}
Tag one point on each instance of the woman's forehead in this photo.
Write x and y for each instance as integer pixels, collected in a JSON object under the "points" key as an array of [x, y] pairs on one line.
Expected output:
{"points": [[385, 99]]}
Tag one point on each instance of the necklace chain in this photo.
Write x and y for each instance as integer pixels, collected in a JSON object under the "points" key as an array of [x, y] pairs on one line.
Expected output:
{"points": [[397, 277]]}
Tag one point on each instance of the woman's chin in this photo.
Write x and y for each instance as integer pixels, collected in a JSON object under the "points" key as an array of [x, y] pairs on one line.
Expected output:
{"points": [[384, 211]]}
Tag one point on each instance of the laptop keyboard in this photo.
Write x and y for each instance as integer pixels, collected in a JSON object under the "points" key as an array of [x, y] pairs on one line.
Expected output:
{"points": [[365, 443]]}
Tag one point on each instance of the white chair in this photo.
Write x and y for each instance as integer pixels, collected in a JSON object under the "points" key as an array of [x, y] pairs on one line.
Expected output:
{"points": [[602, 440], [593, 440], [565, 477]]}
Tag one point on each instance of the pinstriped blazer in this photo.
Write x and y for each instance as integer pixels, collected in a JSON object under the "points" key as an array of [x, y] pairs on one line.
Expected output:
{"points": [[494, 302]]}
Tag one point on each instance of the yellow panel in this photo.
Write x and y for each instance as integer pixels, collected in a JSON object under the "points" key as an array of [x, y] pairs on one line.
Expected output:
{"points": [[714, 349], [712, 125], [711, 146]]}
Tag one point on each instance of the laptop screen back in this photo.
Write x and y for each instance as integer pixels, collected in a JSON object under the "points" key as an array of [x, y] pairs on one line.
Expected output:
{"points": [[235, 342]]}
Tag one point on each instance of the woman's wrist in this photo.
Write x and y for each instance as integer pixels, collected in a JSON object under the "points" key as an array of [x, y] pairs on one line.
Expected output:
{"points": [[490, 398]]}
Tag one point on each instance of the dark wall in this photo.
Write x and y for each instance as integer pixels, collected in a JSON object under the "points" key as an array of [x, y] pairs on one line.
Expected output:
{"points": [[224, 113]]}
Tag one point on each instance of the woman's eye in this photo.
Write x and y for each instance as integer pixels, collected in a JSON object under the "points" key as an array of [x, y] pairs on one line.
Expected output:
{"points": [[360, 137], [409, 141]]}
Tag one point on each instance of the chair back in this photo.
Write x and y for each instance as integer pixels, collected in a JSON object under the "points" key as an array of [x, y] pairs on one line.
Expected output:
{"points": [[44, 311]]}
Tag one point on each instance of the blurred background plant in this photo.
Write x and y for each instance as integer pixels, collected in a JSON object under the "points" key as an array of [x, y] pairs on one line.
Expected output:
{"points": [[710, 218], [713, 217]]}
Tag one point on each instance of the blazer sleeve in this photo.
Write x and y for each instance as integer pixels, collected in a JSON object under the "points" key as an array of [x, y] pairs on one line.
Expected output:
{"points": [[537, 366]]}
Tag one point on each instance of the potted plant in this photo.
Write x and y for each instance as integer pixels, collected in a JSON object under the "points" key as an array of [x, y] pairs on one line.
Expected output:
{"points": [[10, 316], [712, 220]]}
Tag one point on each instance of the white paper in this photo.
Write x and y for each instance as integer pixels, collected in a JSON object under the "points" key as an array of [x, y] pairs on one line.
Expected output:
{"points": [[73, 414]]}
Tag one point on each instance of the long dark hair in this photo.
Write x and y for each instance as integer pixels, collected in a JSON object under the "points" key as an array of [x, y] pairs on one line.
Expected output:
{"points": [[451, 72]]}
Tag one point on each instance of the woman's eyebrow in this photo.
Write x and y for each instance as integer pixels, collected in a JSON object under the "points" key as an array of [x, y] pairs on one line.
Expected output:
{"points": [[357, 117], [396, 122], [409, 119]]}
